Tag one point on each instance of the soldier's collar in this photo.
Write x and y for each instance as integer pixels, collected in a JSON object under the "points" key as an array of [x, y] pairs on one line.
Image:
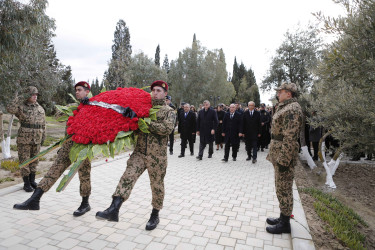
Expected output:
{"points": [[287, 101], [156, 102]]}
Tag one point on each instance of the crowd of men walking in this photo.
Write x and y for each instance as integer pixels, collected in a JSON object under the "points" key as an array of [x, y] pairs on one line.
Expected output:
{"points": [[223, 125]]}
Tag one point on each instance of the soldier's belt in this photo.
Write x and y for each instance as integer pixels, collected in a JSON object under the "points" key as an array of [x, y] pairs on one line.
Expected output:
{"points": [[35, 126], [277, 137]]}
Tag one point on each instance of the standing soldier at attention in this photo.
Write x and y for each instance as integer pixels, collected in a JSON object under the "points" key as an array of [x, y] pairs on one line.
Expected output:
{"points": [[31, 133], [150, 152], [283, 153], [61, 163]]}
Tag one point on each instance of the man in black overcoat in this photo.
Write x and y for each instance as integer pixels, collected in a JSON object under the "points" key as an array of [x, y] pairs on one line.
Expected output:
{"points": [[251, 127], [265, 119], [231, 131], [187, 128], [206, 125]]}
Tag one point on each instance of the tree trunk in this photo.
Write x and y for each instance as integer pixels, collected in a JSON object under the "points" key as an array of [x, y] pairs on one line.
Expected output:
{"points": [[5, 144]]}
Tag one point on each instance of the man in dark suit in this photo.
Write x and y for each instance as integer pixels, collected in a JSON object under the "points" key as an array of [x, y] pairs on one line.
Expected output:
{"points": [[187, 128], [231, 131], [251, 126], [168, 101], [206, 125]]}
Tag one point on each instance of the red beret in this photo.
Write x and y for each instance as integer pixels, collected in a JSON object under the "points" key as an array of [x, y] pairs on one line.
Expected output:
{"points": [[160, 83], [83, 84]]}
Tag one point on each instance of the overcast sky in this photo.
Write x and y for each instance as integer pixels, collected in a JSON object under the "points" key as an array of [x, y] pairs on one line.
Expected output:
{"points": [[251, 30]]}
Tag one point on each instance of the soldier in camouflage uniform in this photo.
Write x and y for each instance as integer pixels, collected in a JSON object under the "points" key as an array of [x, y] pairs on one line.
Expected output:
{"points": [[150, 153], [61, 163], [31, 133], [283, 153]]}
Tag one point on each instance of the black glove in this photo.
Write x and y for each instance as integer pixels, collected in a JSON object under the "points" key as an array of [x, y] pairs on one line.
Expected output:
{"points": [[128, 112]]}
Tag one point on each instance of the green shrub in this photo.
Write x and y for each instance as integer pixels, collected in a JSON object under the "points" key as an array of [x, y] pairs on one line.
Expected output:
{"points": [[13, 136], [1, 150], [13, 147], [42, 158], [11, 166], [6, 179], [6, 122], [342, 221]]}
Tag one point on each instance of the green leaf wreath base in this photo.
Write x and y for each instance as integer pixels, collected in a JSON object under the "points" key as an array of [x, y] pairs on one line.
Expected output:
{"points": [[80, 152]]}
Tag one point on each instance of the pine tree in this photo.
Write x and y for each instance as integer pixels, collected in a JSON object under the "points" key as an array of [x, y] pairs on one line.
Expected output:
{"points": [[166, 64], [157, 56], [117, 74]]}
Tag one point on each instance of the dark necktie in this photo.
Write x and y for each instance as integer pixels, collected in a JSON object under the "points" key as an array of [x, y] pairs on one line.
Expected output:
{"points": [[231, 116]]}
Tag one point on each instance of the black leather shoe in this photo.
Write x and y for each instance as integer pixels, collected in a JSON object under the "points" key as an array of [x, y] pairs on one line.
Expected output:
{"points": [[32, 180], [273, 221], [180, 156], [282, 227], [225, 160], [171, 152], [154, 220], [191, 153], [199, 157], [262, 149], [254, 160], [248, 158], [234, 159], [83, 208], [32, 203], [111, 213], [26, 184], [209, 156]]}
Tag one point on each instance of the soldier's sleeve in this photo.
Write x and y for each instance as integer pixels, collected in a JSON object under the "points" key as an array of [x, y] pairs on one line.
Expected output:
{"points": [[165, 125], [291, 127], [14, 107]]}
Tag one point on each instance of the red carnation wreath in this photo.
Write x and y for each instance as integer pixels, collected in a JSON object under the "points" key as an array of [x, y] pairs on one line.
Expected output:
{"points": [[98, 125]]}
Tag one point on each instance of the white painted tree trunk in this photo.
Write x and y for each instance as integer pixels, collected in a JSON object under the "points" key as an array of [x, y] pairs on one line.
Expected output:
{"points": [[5, 143], [308, 157]]}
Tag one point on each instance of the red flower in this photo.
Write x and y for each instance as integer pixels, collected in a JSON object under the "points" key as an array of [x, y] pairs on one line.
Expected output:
{"points": [[99, 125]]}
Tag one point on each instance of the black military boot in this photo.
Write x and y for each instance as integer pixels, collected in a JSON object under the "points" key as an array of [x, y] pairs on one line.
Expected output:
{"points": [[32, 203], [84, 208], [111, 213], [154, 220], [32, 180], [26, 184], [282, 227], [273, 221]]}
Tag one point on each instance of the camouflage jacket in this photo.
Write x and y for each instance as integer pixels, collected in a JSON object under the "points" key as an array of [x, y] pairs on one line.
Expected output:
{"points": [[286, 126], [155, 142], [32, 121]]}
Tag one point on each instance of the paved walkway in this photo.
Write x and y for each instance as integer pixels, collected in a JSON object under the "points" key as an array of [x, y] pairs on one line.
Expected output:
{"points": [[208, 205]]}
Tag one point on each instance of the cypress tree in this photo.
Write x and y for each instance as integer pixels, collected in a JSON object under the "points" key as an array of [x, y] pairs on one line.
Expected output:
{"points": [[157, 56]]}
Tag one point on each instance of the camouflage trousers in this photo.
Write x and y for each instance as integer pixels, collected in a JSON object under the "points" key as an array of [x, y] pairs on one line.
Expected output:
{"points": [[25, 152], [284, 188], [136, 165], [61, 163]]}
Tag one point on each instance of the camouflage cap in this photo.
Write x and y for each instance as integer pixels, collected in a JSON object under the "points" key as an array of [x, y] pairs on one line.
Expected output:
{"points": [[29, 91], [292, 87]]}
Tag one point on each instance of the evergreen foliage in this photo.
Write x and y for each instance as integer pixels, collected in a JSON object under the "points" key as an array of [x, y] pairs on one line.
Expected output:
{"points": [[199, 74], [344, 93], [117, 73], [157, 56], [27, 54]]}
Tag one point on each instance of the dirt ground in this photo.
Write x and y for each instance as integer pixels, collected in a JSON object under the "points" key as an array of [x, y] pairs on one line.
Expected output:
{"points": [[355, 188]]}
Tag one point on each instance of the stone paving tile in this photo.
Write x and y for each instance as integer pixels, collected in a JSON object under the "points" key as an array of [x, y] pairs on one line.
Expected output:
{"points": [[208, 205]]}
